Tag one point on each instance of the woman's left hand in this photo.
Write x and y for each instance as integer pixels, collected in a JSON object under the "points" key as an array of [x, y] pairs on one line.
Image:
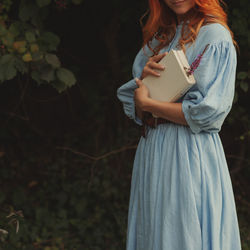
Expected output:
{"points": [[141, 94]]}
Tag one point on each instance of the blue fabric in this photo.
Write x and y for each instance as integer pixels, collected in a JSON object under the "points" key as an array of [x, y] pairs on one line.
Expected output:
{"points": [[181, 194]]}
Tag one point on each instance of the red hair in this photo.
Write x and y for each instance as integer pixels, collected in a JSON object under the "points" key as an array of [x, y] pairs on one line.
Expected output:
{"points": [[162, 22]]}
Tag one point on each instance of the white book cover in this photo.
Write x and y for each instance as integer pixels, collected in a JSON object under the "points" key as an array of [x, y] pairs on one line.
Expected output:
{"points": [[173, 81]]}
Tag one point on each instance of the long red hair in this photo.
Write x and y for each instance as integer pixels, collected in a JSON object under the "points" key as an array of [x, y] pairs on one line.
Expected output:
{"points": [[162, 22]]}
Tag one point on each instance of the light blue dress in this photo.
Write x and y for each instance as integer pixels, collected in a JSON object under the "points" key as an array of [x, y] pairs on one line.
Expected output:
{"points": [[181, 194]]}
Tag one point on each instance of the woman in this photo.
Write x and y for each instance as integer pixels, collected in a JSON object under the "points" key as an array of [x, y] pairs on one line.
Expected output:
{"points": [[181, 193]]}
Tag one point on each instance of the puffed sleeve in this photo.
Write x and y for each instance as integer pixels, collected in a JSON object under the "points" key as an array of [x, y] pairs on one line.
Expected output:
{"points": [[206, 106], [126, 92]]}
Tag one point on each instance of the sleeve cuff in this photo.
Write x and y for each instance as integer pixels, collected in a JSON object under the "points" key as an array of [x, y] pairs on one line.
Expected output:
{"points": [[192, 125], [126, 95]]}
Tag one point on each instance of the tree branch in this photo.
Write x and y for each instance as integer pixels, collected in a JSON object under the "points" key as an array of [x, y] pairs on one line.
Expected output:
{"points": [[97, 158]]}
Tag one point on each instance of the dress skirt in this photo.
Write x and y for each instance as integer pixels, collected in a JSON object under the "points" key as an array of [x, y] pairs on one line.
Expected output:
{"points": [[181, 194]]}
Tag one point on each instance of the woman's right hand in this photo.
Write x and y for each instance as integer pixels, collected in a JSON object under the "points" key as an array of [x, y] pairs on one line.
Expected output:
{"points": [[152, 65]]}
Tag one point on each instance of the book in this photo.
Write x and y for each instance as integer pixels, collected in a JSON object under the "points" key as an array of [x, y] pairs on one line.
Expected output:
{"points": [[174, 81]]}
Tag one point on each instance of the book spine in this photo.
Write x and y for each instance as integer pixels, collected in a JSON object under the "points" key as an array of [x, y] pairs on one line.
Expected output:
{"points": [[182, 60]]}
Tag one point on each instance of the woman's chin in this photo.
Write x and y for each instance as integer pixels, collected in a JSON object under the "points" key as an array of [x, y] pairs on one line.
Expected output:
{"points": [[181, 12]]}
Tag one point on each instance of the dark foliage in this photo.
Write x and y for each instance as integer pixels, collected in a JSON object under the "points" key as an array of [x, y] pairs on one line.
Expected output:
{"points": [[66, 158]]}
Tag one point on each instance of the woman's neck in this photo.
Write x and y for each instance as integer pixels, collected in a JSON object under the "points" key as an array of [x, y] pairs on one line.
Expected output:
{"points": [[184, 17]]}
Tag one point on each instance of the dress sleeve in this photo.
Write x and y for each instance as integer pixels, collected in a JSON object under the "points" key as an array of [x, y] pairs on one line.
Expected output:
{"points": [[126, 92], [206, 106]]}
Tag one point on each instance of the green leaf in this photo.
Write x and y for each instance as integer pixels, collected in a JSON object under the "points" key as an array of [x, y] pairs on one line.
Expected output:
{"points": [[242, 75], [43, 3], [10, 65], [5, 59], [7, 67], [15, 29], [53, 60], [30, 36], [37, 56], [66, 76], [8, 39], [36, 77], [59, 86], [10, 72], [244, 86], [47, 74], [21, 66], [51, 40]]}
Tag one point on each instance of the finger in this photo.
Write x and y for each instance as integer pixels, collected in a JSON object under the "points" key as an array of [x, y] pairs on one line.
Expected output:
{"points": [[138, 82], [155, 65], [157, 58], [149, 71]]}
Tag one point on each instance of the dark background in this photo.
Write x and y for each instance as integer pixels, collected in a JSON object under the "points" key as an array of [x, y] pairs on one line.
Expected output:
{"points": [[66, 159]]}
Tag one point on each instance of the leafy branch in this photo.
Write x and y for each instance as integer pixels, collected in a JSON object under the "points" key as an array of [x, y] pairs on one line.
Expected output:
{"points": [[26, 47], [13, 218]]}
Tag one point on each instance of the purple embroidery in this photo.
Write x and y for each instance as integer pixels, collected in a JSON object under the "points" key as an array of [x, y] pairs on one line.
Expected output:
{"points": [[196, 62]]}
